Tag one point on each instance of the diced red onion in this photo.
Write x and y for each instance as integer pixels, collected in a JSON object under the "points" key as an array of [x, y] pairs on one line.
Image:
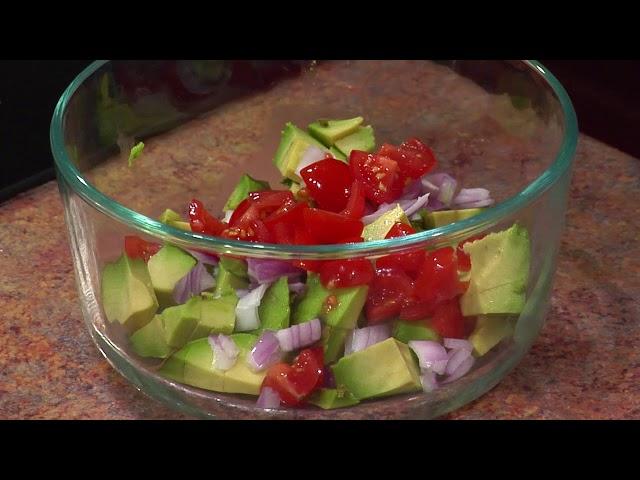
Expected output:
{"points": [[478, 204], [247, 317], [298, 336], [428, 353], [266, 270], [439, 366], [416, 205], [242, 292], [473, 198], [456, 357], [462, 369], [193, 283], [382, 209], [441, 186], [361, 338], [268, 398], [458, 344], [265, 352], [203, 257], [311, 155], [434, 204], [412, 191], [428, 381], [297, 287], [328, 380], [447, 191], [225, 351]]}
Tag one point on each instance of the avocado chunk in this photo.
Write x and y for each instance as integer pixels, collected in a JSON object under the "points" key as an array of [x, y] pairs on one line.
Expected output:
{"points": [[195, 362], [445, 217], [378, 229], [150, 340], [337, 154], [408, 331], [490, 331], [274, 310], [312, 302], [293, 145], [180, 321], [333, 340], [226, 282], [330, 398], [499, 273], [216, 314], [362, 139], [166, 268], [173, 219], [236, 266], [347, 308], [127, 293], [245, 186], [385, 368], [329, 131]]}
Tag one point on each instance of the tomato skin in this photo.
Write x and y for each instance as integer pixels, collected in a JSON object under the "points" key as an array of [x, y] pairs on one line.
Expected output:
{"points": [[415, 311], [414, 158], [328, 227], [447, 319], [136, 247], [283, 223], [355, 205], [390, 291], [379, 176], [202, 221], [328, 182], [297, 381], [409, 262], [438, 279], [346, 273]]}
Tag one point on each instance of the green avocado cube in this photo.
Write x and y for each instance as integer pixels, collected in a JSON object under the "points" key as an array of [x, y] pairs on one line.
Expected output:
{"points": [[310, 305], [293, 145], [329, 131], [150, 340], [383, 369], [331, 398], [378, 229], [166, 268], [362, 139], [274, 310], [489, 331], [227, 282], [445, 217], [408, 331], [245, 186]]}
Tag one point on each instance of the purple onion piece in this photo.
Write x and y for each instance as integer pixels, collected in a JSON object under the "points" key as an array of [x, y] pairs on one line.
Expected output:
{"points": [[416, 205], [428, 352], [298, 336], [382, 209], [297, 287], [412, 191], [462, 369], [247, 317], [225, 351], [265, 352], [458, 344], [361, 338], [196, 281], [203, 257], [478, 204], [267, 271], [268, 399], [428, 381], [455, 359], [329, 380]]}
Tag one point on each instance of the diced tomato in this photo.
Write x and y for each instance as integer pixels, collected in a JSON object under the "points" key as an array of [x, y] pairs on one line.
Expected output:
{"points": [[409, 262], [255, 231], [302, 237], [136, 247], [447, 319], [259, 206], [328, 227], [283, 222], [328, 182], [414, 158], [379, 176], [297, 381], [418, 310], [355, 204], [346, 273], [438, 277], [202, 221], [390, 291]]}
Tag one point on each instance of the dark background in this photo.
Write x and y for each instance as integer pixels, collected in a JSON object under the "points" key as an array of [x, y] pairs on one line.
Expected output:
{"points": [[604, 93]]}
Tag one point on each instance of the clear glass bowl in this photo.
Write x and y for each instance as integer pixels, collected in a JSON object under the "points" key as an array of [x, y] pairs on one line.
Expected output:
{"points": [[508, 126]]}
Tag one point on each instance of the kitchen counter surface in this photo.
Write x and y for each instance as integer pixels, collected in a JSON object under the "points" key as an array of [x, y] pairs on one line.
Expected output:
{"points": [[584, 365]]}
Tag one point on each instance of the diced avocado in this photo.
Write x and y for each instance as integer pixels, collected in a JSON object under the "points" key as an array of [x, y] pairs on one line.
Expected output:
{"points": [[330, 398], [329, 131], [378, 229], [362, 139], [244, 341], [445, 217], [198, 370], [173, 219], [236, 266], [489, 331], [127, 293], [311, 303], [274, 308], [499, 273], [217, 315], [293, 145], [166, 267], [245, 186], [227, 282], [337, 154], [349, 304], [150, 340], [333, 340], [408, 331], [180, 321], [385, 368]]}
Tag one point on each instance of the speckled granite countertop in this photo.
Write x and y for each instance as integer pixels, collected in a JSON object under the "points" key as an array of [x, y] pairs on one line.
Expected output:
{"points": [[585, 364]]}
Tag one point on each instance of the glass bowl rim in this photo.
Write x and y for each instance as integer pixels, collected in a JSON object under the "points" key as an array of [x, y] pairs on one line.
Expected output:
{"points": [[98, 200]]}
